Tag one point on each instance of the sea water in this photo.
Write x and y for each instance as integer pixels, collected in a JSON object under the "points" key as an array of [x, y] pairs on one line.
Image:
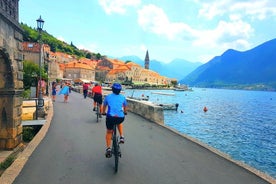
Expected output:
{"points": [[240, 123]]}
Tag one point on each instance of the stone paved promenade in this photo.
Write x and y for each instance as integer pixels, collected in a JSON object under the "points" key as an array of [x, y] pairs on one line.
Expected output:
{"points": [[70, 148]]}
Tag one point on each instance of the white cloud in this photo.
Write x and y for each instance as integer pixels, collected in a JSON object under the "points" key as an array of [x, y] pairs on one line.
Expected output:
{"points": [[210, 10], [118, 6], [143, 48], [233, 34], [91, 47], [61, 38], [255, 9], [153, 19]]}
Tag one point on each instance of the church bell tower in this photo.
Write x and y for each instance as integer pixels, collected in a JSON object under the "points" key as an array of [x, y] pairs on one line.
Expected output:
{"points": [[147, 60]]}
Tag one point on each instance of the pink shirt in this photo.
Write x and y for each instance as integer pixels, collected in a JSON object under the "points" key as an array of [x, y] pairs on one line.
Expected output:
{"points": [[41, 83]]}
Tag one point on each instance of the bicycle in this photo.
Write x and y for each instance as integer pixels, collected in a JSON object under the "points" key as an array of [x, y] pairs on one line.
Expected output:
{"points": [[115, 149]]}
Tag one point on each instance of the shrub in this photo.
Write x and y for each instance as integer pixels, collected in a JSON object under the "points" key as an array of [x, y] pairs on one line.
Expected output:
{"points": [[7, 162], [26, 94], [28, 133]]}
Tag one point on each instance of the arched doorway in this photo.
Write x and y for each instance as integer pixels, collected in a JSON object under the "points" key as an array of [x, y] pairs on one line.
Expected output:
{"points": [[10, 105]]}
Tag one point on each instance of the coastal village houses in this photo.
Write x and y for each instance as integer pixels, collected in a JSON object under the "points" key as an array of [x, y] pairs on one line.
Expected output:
{"points": [[61, 65]]}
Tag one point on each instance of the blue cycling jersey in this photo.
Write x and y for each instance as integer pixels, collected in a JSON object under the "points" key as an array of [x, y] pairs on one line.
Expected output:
{"points": [[115, 104]]}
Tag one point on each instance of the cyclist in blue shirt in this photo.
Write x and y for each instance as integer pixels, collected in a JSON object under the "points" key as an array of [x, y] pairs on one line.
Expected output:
{"points": [[116, 105]]}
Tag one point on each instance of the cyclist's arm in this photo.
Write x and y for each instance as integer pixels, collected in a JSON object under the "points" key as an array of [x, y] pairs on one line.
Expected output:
{"points": [[125, 109], [104, 109], [92, 93]]}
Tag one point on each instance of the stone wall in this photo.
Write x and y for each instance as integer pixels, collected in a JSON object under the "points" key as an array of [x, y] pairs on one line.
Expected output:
{"points": [[11, 75], [29, 108], [147, 110]]}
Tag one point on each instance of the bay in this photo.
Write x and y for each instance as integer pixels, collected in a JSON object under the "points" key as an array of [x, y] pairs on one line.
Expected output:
{"points": [[239, 123]]}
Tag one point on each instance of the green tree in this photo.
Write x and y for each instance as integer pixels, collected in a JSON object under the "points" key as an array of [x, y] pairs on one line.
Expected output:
{"points": [[31, 74], [88, 55]]}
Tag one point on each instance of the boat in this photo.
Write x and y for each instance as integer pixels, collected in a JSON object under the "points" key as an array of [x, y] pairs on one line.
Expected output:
{"points": [[139, 98], [181, 88], [178, 89], [169, 106], [144, 98], [161, 93]]}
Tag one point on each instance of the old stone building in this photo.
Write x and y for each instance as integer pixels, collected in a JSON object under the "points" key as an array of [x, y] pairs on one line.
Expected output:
{"points": [[11, 75], [79, 70], [31, 52]]}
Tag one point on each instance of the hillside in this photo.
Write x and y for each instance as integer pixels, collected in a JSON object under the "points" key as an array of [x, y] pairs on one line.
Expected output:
{"points": [[177, 68], [252, 69], [32, 35]]}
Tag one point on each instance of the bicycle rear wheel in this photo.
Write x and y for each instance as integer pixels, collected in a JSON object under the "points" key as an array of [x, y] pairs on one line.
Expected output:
{"points": [[115, 150], [98, 112]]}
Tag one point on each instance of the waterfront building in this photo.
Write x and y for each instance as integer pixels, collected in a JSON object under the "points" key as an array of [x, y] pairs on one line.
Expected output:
{"points": [[78, 70]]}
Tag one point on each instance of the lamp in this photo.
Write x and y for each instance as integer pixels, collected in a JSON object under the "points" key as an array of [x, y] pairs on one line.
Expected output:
{"points": [[40, 23]]}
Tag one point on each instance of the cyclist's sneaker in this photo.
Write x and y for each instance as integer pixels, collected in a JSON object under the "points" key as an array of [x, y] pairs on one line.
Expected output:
{"points": [[108, 153], [122, 140], [94, 109]]}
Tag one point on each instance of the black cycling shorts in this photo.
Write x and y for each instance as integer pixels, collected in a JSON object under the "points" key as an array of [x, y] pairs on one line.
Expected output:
{"points": [[98, 98], [111, 120]]}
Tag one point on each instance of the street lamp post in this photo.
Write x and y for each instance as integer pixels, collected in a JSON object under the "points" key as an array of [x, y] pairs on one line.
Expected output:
{"points": [[40, 23]]}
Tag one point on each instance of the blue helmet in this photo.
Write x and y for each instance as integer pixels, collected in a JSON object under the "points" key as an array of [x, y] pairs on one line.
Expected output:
{"points": [[116, 88]]}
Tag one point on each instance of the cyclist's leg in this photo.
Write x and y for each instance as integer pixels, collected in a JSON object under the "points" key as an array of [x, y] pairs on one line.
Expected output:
{"points": [[85, 93], [94, 103], [108, 137], [121, 129], [100, 101]]}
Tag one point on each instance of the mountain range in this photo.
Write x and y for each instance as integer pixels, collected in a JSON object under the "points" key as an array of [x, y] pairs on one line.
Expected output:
{"points": [[251, 69], [178, 68], [254, 69]]}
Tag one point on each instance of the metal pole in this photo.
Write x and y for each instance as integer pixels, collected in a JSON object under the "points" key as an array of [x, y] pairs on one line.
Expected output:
{"points": [[40, 96], [47, 81]]}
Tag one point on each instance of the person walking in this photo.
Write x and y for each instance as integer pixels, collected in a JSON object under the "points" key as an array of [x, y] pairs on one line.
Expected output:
{"points": [[54, 91], [65, 91], [116, 106], [85, 89]]}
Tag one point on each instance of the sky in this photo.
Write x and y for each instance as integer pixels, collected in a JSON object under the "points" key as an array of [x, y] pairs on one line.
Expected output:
{"points": [[193, 30]]}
